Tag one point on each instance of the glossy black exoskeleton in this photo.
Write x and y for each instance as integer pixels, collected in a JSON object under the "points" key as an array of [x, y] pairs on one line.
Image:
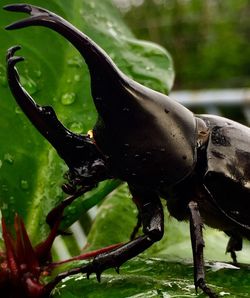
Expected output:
{"points": [[198, 163]]}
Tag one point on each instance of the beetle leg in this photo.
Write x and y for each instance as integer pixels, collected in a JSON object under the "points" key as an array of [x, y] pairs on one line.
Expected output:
{"points": [[198, 244], [153, 228], [234, 244]]}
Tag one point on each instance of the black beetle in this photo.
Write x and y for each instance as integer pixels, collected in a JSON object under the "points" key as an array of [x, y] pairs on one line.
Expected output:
{"points": [[198, 163]]}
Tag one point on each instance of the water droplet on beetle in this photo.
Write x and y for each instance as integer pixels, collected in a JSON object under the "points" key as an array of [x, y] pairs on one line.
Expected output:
{"points": [[24, 184], [8, 158], [68, 98], [125, 109], [76, 127]]}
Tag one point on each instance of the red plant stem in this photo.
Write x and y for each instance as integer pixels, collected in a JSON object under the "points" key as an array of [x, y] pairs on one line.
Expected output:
{"points": [[88, 255]]}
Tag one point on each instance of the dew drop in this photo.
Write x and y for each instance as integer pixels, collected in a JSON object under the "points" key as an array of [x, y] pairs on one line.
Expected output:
{"points": [[75, 62], [29, 85], [8, 158], [77, 78], [18, 110], [38, 73], [112, 55], [68, 98], [24, 184], [3, 79], [76, 127]]}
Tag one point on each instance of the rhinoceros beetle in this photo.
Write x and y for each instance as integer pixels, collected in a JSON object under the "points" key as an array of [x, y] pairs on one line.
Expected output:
{"points": [[198, 163]]}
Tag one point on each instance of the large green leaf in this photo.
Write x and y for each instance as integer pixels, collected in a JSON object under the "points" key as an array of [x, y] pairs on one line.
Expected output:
{"points": [[54, 73], [157, 278]]}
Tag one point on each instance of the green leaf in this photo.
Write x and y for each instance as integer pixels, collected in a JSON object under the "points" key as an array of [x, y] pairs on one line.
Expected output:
{"points": [[156, 277], [55, 74]]}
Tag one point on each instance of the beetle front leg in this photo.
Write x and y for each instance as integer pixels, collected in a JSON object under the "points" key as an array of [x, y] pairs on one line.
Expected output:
{"points": [[151, 213], [153, 227], [198, 244]]}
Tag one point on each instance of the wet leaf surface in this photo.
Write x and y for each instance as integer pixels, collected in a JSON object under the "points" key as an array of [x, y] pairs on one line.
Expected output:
{"points": [[156, 277]]}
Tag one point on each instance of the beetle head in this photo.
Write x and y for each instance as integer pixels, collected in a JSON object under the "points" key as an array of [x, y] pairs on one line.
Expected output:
{"points": [[145, 133], [78, 151]]}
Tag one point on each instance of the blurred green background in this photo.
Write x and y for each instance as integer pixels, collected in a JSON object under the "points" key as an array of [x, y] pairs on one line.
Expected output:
{"points": [[208, 40]]}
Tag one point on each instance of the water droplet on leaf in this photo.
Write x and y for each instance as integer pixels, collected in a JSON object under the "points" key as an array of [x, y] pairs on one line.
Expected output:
{"points": [[8, 158], [75, 62], [24, 184], [18, 110], [68, 98], [3, 79], [76, 127], [29, 85]]}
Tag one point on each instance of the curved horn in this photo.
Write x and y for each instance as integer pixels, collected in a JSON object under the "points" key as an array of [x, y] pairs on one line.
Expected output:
{"points": [[129, 113], [95, 57], [69, 146], [107, 81]]}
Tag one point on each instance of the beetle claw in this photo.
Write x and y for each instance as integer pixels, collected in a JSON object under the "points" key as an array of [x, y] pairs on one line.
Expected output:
{"points": [[11, 59], [11, 51], [26, 8], [18, 7]]}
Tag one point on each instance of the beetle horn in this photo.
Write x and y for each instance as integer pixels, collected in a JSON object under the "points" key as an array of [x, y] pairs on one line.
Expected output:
{"points": [[129, 113], [68, 145]]}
